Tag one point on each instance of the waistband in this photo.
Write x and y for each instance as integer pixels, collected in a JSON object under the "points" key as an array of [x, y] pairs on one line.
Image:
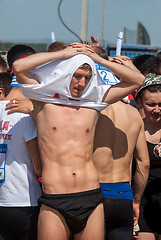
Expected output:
{"points": [[121, 190], [75, 194]]}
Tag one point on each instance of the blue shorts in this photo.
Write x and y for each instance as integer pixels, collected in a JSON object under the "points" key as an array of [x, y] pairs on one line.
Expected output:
{"points": [[118, 208], [121, 190]]}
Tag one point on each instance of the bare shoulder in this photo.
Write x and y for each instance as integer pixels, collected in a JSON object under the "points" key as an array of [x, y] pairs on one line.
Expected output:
{"points": [[126, 114], [109, 111], [126, 107], [133, 112]]}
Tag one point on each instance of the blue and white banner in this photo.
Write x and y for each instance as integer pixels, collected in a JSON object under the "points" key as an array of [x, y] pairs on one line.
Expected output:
{"points": [[106, 75], [3, 152]]}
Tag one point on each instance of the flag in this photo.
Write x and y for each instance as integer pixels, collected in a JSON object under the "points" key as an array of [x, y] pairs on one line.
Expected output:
{"points": [[53, 37]]}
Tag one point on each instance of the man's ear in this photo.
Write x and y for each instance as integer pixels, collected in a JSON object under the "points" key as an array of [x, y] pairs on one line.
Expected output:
{"points": [[2, 94]]}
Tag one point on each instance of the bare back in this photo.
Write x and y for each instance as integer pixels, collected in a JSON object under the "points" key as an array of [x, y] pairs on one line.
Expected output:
{"points": [[65, 137], [116, 136]]}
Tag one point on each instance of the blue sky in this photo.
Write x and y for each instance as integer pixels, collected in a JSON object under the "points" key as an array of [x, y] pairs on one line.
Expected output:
{"points": [[33, 20]]}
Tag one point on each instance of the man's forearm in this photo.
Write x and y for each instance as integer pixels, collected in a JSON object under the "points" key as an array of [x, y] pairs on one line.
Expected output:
{"points": [[141, 156], [35, 60], [139, 182]]}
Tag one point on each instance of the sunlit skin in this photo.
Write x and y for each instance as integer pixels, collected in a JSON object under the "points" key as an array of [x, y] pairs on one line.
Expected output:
{"points": [[66, 136], [79, 81], [151, 103]]}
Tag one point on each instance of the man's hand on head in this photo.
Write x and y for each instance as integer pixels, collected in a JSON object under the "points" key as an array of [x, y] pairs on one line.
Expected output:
{"points": [[87, 50], [126, 61], [69, 52]]}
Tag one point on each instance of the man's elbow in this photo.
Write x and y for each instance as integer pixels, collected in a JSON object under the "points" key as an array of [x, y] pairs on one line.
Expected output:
{"points": [[147, 166], [140, 80], [145, 169], [16, 67]]}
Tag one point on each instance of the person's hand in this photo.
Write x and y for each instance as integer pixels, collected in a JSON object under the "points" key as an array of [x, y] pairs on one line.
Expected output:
{"points": [[69, 51], [136, 212], [86, 42], [87, 50], [82, 48], [111, 59], [21, 105], [136, 231], [94, 41], [136, 218], [126, 61]]}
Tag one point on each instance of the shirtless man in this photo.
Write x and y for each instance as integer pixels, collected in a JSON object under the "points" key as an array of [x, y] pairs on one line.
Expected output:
{"points": [[72, 201], [119, 135]]}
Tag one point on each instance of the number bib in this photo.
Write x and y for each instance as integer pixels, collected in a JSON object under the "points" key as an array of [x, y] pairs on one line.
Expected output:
{"points": [[3, 153]]}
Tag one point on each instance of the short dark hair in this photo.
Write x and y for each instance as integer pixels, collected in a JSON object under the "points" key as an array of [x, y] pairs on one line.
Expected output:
{"points": [[86, 66], [18, 51], [100, 51], [150, 88], [3, 64], [56, 46], [151, 65], [139, 60], [5, 81], [158, 55]]}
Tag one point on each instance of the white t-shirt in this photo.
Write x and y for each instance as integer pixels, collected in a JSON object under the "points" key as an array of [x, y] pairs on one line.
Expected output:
{"points": [[20, 186], [54, 84]]}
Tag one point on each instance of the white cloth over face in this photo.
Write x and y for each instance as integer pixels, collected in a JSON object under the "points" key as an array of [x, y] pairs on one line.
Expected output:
{"points": [[54, 80]]}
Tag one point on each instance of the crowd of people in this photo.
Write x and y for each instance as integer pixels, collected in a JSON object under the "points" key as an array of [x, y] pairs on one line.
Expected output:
{"points": [[79, 158]]}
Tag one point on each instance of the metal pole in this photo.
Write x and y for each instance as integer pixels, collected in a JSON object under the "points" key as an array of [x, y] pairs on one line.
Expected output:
{"points": [[84, 20], [103, 14], [3, 47]]}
